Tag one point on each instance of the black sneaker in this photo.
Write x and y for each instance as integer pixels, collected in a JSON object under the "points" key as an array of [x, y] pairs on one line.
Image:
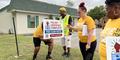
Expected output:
{"points": [[68, 55], [48, 57], [34, 57], [64, 54]]}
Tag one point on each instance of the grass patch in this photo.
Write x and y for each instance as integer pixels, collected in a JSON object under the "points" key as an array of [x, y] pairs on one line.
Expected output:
{"points": [[8, 49]]}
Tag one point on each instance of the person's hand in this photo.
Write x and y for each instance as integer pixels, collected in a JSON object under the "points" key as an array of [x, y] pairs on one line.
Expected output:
{"points": [[69, 26], [87, 46], [75, 29], [51, 39], [43, 39]]}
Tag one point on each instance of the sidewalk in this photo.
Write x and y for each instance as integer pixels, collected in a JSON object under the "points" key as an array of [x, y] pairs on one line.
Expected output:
{"points": [[75, 39]]}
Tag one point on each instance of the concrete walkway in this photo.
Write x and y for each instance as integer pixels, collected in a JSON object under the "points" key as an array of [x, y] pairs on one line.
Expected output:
{"points": [[75, 39]]}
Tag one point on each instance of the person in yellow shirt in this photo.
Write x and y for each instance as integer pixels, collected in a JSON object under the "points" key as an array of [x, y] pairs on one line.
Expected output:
{"points": [[112, 27], [85, 29], [37, 38]]}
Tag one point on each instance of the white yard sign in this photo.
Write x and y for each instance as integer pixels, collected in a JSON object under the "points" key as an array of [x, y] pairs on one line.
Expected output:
{"points": [[53, 29], [113, 48]]}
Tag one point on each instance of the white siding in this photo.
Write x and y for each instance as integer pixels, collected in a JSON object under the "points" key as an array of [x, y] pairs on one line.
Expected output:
{"points": [[5, 21], [21, 22]]}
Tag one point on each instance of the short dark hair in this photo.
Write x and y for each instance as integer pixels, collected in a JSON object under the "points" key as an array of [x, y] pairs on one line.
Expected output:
{"points": [[109, 2], [82, 6], [114, 4]]}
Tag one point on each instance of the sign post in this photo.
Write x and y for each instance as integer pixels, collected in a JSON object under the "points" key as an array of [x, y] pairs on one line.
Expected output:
{"points": [[17, 48]]}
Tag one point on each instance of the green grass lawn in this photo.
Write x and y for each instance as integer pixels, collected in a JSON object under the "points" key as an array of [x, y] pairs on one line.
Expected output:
{"points": [[8, 50]]}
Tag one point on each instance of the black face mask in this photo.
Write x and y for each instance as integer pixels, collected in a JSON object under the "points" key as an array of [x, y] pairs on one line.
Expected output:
{"points": [[62, 14]]}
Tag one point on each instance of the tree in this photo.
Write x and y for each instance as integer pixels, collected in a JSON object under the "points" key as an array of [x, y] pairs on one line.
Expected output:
{"points": [[97, 12]]}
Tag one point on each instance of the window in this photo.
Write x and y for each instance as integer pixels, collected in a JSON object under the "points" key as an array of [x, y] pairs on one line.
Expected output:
{"points": [[32, 21], [36, 21]]}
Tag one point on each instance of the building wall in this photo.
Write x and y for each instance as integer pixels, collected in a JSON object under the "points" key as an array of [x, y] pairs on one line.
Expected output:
{"points": [[21, 23], [5, 22]]}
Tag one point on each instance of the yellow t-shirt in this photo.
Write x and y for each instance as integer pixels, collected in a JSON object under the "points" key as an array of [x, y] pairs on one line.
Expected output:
{"points": [[90, 25], [110, 29], [38, 31]]}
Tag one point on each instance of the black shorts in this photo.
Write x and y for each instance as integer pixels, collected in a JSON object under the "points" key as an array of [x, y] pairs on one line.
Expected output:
{"points": [[37, 42]]}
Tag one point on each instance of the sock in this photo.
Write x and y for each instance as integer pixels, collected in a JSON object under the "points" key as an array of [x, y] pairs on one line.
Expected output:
{"points": [[64, 47], [68, 50]]}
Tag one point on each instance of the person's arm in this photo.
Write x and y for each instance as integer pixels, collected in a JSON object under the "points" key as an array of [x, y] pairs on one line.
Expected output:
{"points": [[91, 26], [90, 34], [70, 24], [41, 31], [76, 28]]}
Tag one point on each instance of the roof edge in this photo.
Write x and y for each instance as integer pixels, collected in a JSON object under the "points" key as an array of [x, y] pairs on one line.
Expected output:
{"points": [[2, 9]]}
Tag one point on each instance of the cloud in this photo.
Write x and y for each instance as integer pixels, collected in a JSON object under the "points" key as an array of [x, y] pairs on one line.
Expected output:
{"points": [[3, 3], [89, 3]]}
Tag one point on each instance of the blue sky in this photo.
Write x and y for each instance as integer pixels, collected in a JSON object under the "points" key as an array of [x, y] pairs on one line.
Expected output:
{"points": [[89, 3]]}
